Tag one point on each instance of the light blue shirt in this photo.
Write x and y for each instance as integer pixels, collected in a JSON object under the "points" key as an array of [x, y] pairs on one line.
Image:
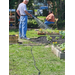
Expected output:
{"points": [[22, 8]]}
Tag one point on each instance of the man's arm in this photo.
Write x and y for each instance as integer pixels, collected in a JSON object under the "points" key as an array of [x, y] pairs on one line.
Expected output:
{"points": [[48, 18], [28, 13], [18, 12]]}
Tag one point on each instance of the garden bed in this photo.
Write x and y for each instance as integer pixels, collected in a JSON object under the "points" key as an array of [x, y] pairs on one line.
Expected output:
{"points": [[41, 33], [52, 33], [58, 52], [13, 39], [43, 39], [55, 49]]}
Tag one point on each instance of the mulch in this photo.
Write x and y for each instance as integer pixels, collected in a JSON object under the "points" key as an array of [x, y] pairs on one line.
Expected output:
{"points": [[43, 40]]}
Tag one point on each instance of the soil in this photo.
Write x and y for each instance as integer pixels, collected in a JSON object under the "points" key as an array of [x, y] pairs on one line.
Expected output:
{"points": [[43, 40], [11, 35]]}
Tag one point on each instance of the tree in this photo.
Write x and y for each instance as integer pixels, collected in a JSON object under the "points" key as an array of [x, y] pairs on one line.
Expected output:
{"points": [[59, 11], [12, 3]]}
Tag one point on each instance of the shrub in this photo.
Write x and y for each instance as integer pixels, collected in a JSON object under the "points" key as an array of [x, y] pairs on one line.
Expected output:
{"points": [[32, 24]]}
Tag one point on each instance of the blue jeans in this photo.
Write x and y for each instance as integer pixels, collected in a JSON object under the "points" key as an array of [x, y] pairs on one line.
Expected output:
{"points": [[47, 23], [23, 26]]}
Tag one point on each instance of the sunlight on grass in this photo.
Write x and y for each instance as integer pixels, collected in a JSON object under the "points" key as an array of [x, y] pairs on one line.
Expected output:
{"points": [[21, 60]]}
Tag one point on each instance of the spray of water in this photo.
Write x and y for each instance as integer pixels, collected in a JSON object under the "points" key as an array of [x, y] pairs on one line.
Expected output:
{"points": [[41, 24]]}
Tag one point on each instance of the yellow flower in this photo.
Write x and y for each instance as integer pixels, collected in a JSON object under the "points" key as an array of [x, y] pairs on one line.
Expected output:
{"points": [[40, 30], [53, 42], [56, 42], [51, 37], [62, 49]]}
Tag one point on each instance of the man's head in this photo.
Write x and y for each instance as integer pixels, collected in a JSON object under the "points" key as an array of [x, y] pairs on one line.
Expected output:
{"points": [[25, 1]]}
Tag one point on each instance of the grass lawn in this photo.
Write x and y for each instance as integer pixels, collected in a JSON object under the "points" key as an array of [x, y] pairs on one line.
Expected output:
{"points": [[30, 34], [21, 61], [42, 18]]}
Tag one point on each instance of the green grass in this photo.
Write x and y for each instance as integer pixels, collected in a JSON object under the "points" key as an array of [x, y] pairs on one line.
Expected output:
{"points": [[30, 34], [13, 31], [41, 16], [21, 60], [35, 10]]}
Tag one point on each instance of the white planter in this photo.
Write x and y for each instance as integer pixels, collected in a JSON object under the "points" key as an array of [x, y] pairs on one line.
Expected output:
{"points": [[57, 52]]}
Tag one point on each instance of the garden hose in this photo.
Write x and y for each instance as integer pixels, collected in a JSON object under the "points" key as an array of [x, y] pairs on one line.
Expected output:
{"points": [[33, 58], [35, 62]]}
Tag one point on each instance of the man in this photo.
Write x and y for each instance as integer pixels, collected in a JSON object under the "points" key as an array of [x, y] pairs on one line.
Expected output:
{"points": [[49, 19], [22, 12]]}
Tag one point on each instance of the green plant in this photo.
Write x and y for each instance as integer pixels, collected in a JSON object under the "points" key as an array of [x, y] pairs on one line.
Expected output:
{"points": [[49, 38], [56, 31], [49, 30], [62, 33], [32, 24], [40, 30], [63, 49], [62, 46], [54, 43], [63, 37], [56, 38]]}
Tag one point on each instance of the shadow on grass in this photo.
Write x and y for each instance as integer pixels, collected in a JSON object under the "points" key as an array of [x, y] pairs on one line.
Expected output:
{"points": [[15, 30]]}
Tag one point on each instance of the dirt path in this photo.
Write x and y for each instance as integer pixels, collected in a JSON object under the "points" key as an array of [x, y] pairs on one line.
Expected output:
{"points": [[29, 43]]}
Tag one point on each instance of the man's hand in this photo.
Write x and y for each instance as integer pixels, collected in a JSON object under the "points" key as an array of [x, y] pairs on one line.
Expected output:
{"points": [[48, 19], [31, 15]]}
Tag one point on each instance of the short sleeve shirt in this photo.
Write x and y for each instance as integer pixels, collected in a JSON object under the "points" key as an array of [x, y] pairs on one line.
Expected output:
{"points": [[22, 8]]}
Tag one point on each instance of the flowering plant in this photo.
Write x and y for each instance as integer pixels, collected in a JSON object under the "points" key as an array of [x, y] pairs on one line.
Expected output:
{"points": [[54, 43], [41, 30], [49, 38], [56, 38], [62, 47]]}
